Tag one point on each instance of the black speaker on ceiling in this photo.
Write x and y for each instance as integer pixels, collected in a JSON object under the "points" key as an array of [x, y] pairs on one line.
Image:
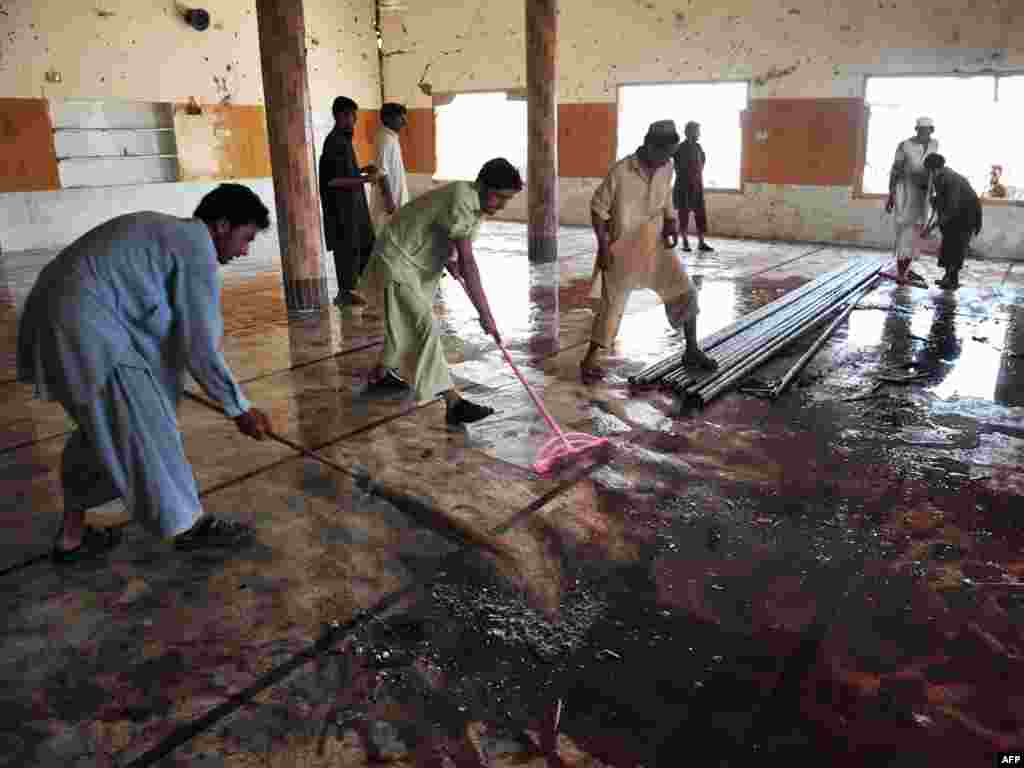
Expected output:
{"points": [[198, 19]]}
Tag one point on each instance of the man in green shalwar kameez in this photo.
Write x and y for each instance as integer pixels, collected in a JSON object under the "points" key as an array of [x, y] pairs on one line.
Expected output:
{"points": [[434, 232]]}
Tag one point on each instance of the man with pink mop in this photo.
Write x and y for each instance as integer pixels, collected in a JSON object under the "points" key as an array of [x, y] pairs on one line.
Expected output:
{"points": [[434, 232], [637, 232]]}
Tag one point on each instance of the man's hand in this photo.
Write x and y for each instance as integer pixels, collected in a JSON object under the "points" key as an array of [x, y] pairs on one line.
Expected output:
{"points": [[487, 323], [370, 174], [452, 265], [389, 206], [254, 423], [604, 256], [670, 233], [890, 203]]}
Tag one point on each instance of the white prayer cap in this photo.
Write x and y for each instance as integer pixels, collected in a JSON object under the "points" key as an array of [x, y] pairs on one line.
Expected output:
{"points": [[924, 122]]}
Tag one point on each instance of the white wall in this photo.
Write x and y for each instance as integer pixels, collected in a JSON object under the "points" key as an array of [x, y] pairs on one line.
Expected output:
{"points": [[787, 48], [140, 50], [31, 220], [792, 48], [143, 51]]}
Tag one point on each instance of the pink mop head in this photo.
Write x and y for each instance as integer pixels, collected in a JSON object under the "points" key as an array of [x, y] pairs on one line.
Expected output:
{"points": [[563, 446]]}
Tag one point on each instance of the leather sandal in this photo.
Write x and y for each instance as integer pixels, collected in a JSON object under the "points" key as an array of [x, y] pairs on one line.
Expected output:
{"points": [[464, 411], [212, 533], [96, 542]]}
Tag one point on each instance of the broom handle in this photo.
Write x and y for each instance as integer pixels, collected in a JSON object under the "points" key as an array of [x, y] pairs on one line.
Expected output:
{"points": [[533, 396]]}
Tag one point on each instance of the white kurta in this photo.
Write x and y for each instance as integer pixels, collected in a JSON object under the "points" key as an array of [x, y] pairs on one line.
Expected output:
{"points": [[109, 330], [912, 194], [390, 163]]}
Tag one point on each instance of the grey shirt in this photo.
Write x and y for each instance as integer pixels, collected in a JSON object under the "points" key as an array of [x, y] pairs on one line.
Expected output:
{"points": [[142, 289]]}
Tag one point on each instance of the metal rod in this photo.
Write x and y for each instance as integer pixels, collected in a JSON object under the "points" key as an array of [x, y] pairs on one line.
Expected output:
{"points": [[780, 307], [820, 341], [750, 344], [807, 318], [706, 393], [714, 339]]}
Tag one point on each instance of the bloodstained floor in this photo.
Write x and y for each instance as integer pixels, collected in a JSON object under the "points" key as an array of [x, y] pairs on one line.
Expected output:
{"points": [[836, 576]]}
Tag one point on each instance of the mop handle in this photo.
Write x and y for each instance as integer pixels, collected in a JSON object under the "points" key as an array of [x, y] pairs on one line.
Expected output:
{"points": [[533, 396], [529, 390]]}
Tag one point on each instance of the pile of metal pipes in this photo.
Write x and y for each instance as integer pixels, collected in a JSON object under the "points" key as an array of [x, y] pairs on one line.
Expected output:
{"points": [[754, 338]]}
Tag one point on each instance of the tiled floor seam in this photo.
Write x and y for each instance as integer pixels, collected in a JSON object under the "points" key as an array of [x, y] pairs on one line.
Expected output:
{"points": [[307, 363], [276, 372], [373, 425], [333, 635], [782, 263], [30, 443], [330, 638], [213, 489]]}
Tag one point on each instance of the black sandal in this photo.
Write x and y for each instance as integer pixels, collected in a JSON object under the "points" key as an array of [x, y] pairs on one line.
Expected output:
{"points": [[389, 383], [213, 532], [466, 412], [96, 542], [698, 358]]}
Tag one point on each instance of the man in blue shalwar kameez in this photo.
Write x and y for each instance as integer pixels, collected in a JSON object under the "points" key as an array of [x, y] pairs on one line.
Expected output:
{"points": [[109, 329]]}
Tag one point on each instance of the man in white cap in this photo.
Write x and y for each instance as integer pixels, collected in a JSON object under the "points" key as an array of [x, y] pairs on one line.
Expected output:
{"points": [[637, 232], [908, 192]]}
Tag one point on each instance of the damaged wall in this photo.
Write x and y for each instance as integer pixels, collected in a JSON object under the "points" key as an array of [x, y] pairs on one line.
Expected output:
{"points": [[141, 50], [792, 49]]}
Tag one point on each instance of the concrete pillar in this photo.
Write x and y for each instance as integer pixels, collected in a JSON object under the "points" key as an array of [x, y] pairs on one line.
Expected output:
{"points": [[542, 126], [282, 30]]}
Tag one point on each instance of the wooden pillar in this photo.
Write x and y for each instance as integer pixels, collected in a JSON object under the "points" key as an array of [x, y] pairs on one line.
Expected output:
{"points": [[542, 126], [282, 31]]}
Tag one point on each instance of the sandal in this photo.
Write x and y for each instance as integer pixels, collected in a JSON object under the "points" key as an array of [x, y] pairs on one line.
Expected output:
{"points": [[213, 532], [96, 542], [705, 248], [699, 359], [389, 383], [466, 412]]}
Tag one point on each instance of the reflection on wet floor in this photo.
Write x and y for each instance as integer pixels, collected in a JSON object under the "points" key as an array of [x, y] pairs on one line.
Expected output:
{"points": [[833, 576]]}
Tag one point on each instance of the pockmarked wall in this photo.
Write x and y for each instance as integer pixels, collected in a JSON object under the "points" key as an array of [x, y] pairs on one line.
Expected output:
{"points": [[143, 51], [819, 52]]}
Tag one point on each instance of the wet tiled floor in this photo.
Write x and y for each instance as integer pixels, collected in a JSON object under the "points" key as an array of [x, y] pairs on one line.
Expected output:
{"points": [[835, 576]]}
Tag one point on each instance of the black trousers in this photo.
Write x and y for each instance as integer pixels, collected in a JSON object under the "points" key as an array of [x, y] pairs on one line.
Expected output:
{"points": [[956, 236], [349, 265], [687, 199]]}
